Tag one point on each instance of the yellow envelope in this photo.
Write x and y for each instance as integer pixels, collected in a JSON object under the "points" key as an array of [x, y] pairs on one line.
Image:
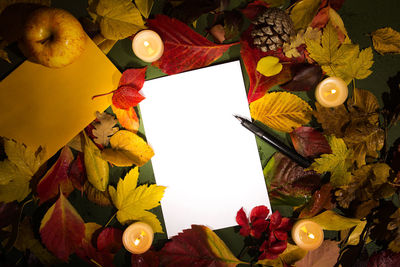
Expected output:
{"points": [[48, 107]]}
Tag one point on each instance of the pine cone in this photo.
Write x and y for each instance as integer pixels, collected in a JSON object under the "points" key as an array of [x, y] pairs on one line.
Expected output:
{"points": [[272, 28]]}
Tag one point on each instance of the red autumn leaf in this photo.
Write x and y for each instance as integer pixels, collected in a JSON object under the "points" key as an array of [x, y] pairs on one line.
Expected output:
{"points": [[133, 78], [257, 224], [184, 49], [125, 97], [56, 178], [127, 118], [110, 240], [309, 142], [62, 229], [77, 173], [321, 199], [252, 10], [147, 259], [260, 84], [321, 19], [89, 253]]}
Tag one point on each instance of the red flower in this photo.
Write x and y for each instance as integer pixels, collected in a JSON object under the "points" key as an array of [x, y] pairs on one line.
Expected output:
{"points": [[277, 238], [257, 224]]}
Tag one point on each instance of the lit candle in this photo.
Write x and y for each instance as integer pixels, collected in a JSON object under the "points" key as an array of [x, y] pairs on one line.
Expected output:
{"points": [[308, 235], [147, 45], [331, 92], [138, 237]]}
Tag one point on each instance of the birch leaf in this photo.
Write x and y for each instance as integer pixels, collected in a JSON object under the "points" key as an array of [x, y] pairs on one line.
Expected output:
{"points": [[281, 111], [133, 202], [144, 7], [386, 40], [303, 12], [127, 148], [104, 128], [118, 19]]}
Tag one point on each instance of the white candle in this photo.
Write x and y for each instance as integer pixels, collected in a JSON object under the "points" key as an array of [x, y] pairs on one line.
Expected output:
{"points": [[331, 92], [147, 45], [307, 235], [138, 237]]}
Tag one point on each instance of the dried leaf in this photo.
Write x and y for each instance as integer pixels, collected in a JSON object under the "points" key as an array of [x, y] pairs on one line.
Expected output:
{"points": [[320, 200], [127, 148], [386, 40], [269, 66], [198, 246], [330, 220], [4, 55], [127, 118], [97, 169], [184, 49], [104, 128], [134, 202], [233, 22], [281, 111], [326, 255], [144, 7], [56, 179], [62, 229], [309, 142], [336, 163], [305, 77], [218, 33], [260, 84], [303, 12], [118, 19], [101, 198]]}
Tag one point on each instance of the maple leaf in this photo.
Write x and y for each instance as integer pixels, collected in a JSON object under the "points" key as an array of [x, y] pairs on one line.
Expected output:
{"points": [[62, 229], [127, 118], [104, 128], [336, 163], [127, 148], [133, 202], [198, 246], [342, 60], [184, 49], [386, 40], [281, 111], [56, 179]]}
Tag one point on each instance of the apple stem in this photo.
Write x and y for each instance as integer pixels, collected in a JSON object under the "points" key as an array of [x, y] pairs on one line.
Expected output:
{"points": [[93, 97]]}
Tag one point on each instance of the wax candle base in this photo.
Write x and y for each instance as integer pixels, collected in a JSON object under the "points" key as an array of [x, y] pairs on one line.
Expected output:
{"points": [[307, 234], [138, 237], [331, 92], [147, 45]]}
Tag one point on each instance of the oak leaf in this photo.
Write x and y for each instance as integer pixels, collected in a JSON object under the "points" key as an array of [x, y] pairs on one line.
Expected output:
{"points": [[127, 148], [127, 118], [336, 163], [57, 178], [184, 49], [303, 13], [386, 40], [104, 128], [118, 19], [97, 169], [198, 246], [281, 111], [62, 229], [133, 202]]}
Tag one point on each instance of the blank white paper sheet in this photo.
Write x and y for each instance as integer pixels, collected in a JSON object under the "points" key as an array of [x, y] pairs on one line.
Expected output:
{"points": [[206, 158]]}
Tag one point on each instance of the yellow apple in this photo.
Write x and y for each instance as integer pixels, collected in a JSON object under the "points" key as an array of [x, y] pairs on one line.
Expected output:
{"points": [[52, 37]]}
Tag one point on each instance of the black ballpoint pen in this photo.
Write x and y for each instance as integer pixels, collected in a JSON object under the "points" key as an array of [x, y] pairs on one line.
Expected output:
{"points": [[273, 141]]}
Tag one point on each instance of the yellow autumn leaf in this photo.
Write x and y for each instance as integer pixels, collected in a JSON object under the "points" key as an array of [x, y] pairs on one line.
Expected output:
{"points": [[269, 66], [303, 13], [97, 169], [144, 7], [337, 21], [134, 202], [386, 40], [330, 220], [118, 19], [127, 148], [281, 111], [290, 256], [336, 163]]}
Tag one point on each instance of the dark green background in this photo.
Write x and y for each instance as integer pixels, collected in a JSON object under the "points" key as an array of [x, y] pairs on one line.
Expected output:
{"points": [[360, 17]]}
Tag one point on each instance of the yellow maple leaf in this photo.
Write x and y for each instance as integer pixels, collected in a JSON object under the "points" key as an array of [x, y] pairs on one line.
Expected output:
{"points": [[127, 148], [281, 111], [386, 40], [134, 202], [118, 19], [341, 60], [336, 163]]}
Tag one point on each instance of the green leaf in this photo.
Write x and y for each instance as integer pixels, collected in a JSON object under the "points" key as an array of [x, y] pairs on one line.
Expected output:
{"points": [[118, 19], [303, 13], [144, 7], [330, 220], [336, 163]]}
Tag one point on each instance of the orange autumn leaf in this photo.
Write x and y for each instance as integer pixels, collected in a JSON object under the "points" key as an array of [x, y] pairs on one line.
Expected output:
{"points": [[62, 229], [57, 177], [127, 118]]}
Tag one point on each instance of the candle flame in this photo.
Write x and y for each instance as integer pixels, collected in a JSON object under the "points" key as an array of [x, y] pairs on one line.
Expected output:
{"points": [[136, 242], [139, 238], [311, 236], [147, 45], [333, 91]]}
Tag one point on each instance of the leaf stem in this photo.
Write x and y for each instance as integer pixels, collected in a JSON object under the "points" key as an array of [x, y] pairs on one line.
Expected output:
{"points": [[96, 263], [110, 220]]}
